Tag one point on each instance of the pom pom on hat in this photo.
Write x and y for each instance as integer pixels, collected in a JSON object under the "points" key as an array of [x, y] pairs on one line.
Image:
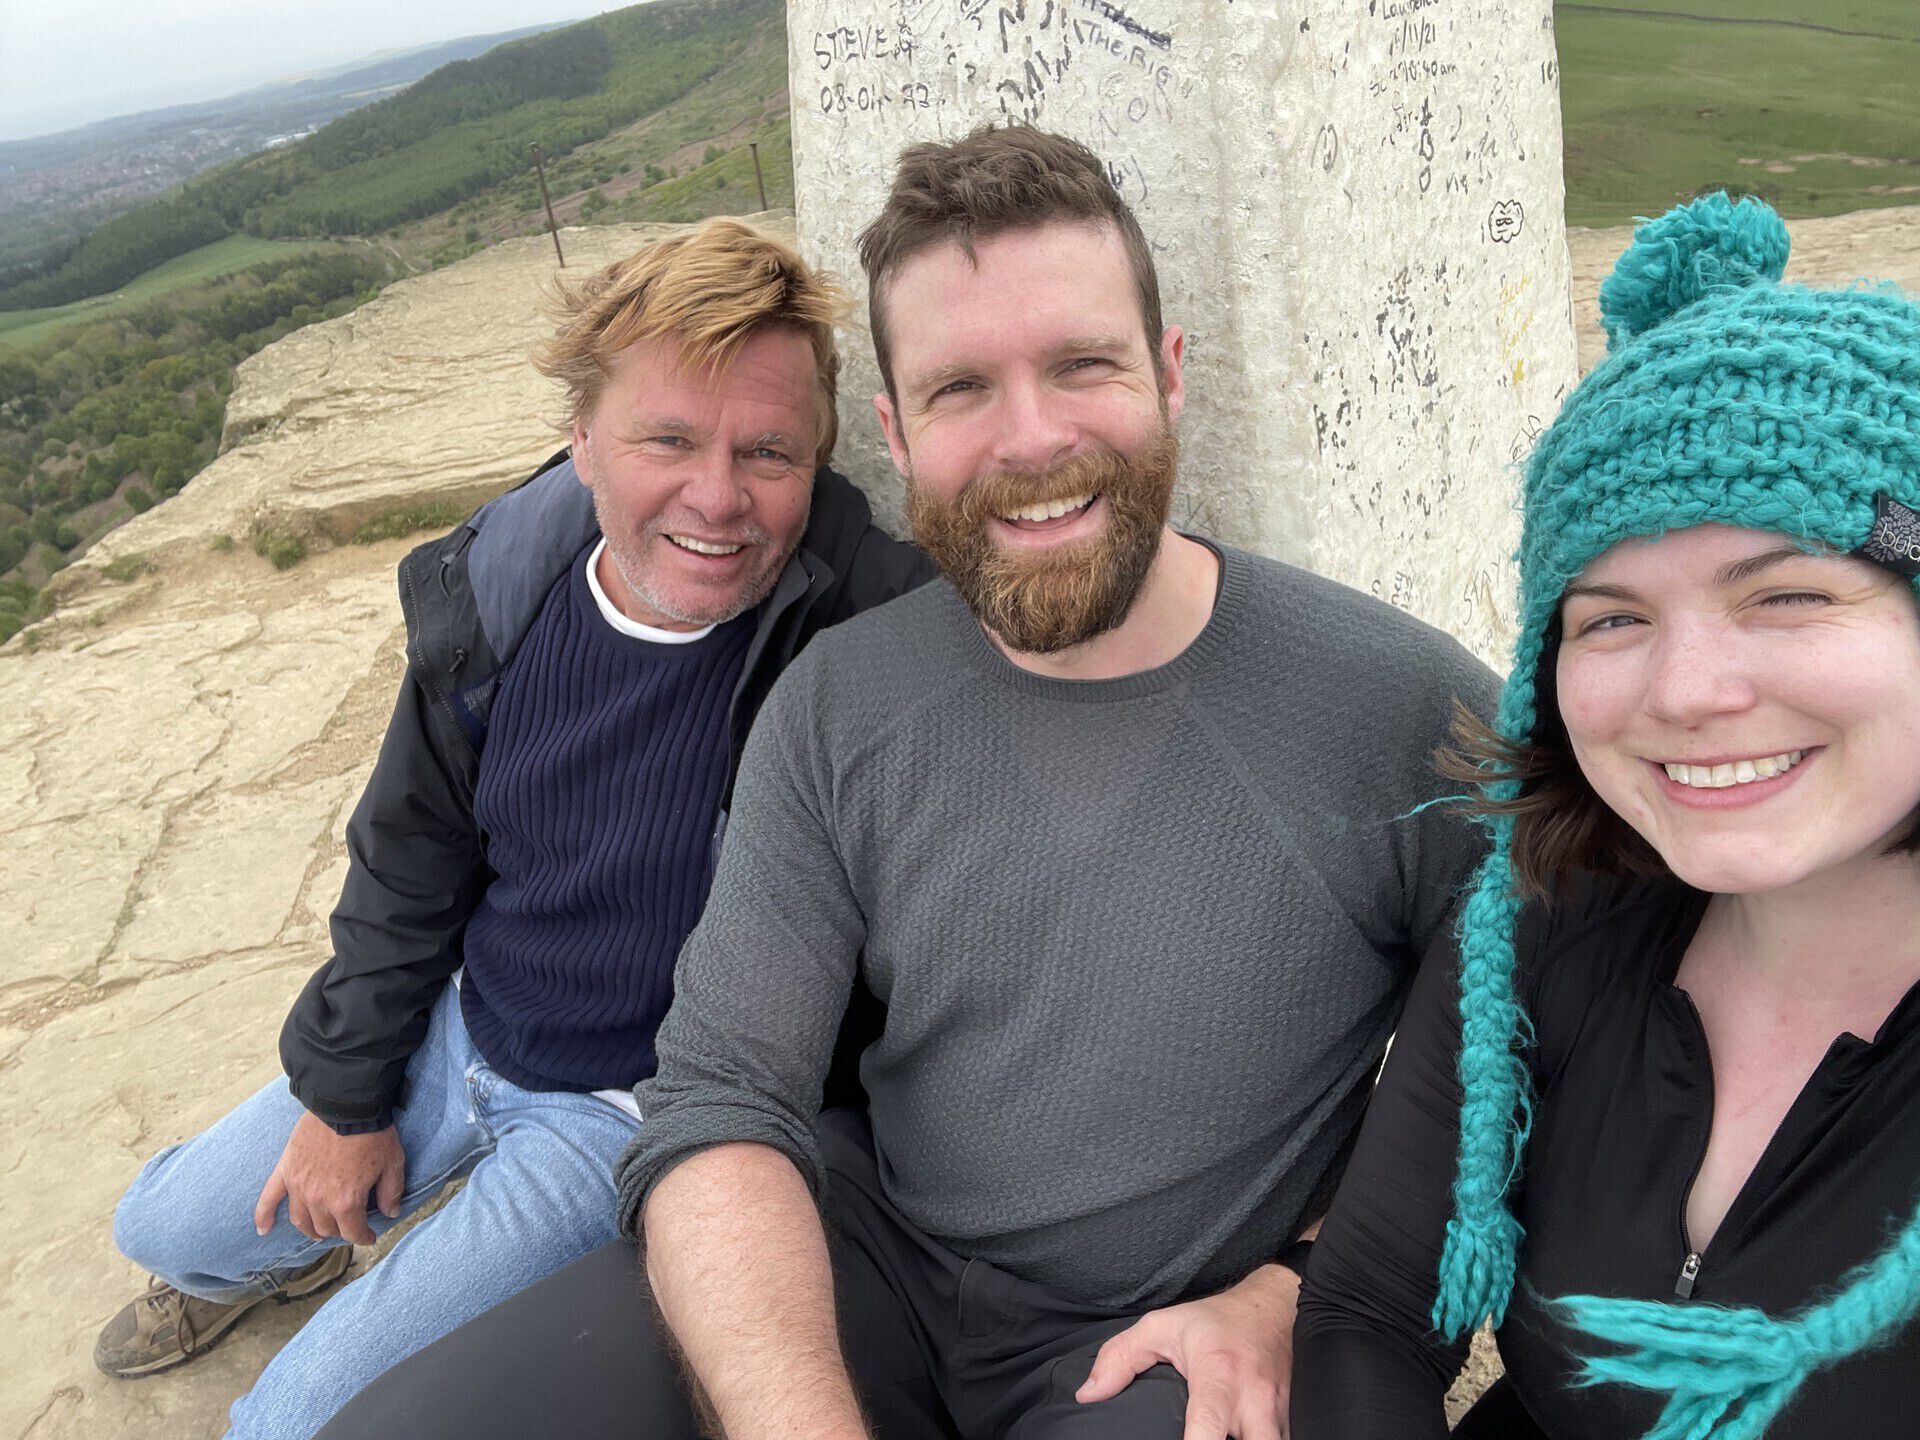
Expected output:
{"points": [[1712, 243]]}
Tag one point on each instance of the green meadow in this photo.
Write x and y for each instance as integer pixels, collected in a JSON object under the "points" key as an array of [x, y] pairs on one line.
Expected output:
{"points": [[222, 257], [1812, 106]]}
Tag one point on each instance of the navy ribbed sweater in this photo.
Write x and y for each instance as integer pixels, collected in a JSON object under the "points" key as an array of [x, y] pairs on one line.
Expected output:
{"points": [[598, 793]]}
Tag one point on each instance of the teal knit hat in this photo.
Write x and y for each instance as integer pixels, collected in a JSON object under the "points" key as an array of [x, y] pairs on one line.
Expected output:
{"points": [[1726, 397]]}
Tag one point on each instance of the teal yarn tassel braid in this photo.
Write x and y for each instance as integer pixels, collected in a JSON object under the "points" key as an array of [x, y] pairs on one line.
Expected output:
{"points": [[1728, 1372], [1483, 1238]]}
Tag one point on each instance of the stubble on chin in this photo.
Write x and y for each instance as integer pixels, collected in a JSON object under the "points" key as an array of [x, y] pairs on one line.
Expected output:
{"points": [[1040, 602], [636, 572]]}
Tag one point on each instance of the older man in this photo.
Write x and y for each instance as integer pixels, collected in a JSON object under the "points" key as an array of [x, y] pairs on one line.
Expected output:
{"points": [[585, 655], [1123, 825]]}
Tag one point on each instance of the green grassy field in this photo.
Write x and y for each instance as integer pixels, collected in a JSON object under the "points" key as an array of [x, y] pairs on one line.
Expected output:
{"points": [[1657, 106], [651, 170], [1866, 17], [236, 252]]}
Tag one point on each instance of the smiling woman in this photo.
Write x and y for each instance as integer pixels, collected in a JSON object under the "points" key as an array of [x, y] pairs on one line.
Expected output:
{"points": [[1752, 711], [1686, 987]]}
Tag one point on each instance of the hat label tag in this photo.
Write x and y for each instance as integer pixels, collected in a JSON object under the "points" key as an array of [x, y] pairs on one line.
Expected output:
{"points": [[1894, 540]]}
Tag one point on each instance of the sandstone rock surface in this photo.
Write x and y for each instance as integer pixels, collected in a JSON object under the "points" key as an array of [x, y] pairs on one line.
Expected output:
{"points": [[179, 750]]}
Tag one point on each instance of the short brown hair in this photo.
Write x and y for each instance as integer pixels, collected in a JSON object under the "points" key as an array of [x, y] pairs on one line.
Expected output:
{"points": [[1561, 827], [994, 181], [711, 289]]}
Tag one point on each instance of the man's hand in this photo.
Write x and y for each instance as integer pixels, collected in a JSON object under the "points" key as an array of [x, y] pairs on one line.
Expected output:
{"points": [[328, 1181], [1235, 1350]]}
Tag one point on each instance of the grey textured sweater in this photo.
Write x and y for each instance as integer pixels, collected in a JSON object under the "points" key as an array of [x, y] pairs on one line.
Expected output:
{"points": [[1141, 941]]}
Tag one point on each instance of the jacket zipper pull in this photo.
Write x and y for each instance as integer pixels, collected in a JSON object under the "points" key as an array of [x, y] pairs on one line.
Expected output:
{"points": [[1689, 1272]]}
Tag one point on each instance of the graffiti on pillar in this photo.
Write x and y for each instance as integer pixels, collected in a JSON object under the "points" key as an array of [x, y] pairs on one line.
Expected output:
{"points": [[1424, 103], [1355, 205], [962, 62]]}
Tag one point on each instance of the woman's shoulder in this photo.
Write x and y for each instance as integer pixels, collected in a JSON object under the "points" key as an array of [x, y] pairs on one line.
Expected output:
{"points": [[1596, 935]]}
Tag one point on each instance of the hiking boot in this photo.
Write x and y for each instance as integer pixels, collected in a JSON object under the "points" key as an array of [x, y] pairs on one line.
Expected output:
{"points": [[166, 1327]]}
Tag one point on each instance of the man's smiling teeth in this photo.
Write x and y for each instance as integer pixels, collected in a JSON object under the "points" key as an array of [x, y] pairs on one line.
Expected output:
{"points": [[701, 547], [1739, 772], [1049, 509]]}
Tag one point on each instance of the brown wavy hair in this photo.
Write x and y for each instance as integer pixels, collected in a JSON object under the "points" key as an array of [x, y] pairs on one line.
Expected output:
{"points": [[994, 181], [1561, 828]]}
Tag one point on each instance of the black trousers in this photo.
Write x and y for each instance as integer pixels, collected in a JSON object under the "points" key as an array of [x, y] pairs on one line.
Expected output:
{"points": [[1498, 1415], [939, 1347]]}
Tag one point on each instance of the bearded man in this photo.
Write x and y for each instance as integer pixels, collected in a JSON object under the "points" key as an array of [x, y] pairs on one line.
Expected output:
{"points": [[1124, 826], [584, 657]]}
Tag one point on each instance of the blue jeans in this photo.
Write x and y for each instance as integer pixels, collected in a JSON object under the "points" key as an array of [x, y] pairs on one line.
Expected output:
{"points": [[539, 1193]]}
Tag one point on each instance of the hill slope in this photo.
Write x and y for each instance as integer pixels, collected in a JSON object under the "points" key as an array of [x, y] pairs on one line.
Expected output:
{"points": [[54, 189], [462, 129]]}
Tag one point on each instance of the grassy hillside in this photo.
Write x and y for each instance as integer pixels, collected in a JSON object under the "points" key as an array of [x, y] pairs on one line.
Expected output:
{"points": [[457, 133], [1892, 18], [222, 257], [685, 161], [119, 413], [1659, 101], [56, 189]]}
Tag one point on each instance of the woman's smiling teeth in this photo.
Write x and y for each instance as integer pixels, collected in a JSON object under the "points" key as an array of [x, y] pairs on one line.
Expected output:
{"points": [[1049, 509], [702, 547], [1738, 772]]}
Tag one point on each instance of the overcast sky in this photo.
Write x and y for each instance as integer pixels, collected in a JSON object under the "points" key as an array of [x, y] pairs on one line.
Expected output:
{"points": [[66, 64]]}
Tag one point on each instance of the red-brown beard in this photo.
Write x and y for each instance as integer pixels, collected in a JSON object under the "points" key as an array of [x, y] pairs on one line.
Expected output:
{"points": [[1040, 602]]}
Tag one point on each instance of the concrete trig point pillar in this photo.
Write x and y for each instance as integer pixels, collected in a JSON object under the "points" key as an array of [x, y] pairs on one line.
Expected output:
{"points": [[1356, 211]]}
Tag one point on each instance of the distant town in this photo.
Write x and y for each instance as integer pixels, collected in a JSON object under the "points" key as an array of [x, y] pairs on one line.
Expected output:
{"points": [[123, 172]]}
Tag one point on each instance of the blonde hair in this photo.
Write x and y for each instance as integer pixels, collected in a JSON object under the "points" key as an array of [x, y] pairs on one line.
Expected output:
{"points": [[710, 289]]}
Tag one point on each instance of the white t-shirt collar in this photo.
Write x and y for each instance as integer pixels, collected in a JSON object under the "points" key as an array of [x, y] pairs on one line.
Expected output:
{"points": [[626, 624]]}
